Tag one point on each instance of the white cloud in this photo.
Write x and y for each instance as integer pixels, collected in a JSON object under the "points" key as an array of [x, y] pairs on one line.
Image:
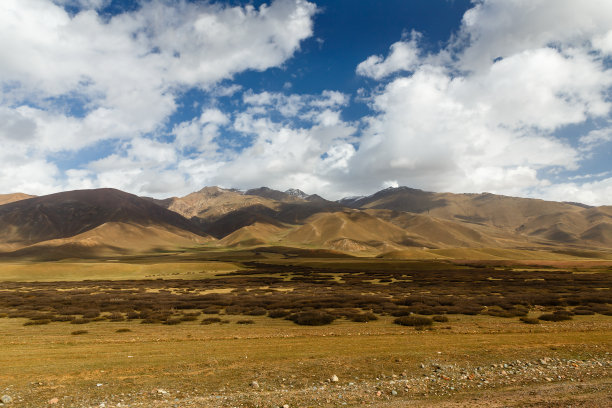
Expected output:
{"points": [[403, 56], [592, 193], [200, 133], [127, 71], [479, 115], [281, 153], [467, 121], [595, 138], [502, 28], [603, 43], [84, 4]]}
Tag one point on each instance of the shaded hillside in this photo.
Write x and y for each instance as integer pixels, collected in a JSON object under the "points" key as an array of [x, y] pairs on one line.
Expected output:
{"points": [[397, 221], [68, 214], [506, 220], [224, 225], [496, 210], [219, 212], [111, 239], [426, 219]]}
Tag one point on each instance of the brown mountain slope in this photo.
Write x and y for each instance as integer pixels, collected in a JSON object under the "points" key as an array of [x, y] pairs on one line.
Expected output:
{"points": [[510, 220], [275, 195], [351, 231], [111, 239], [442, 233], [235, 220], [11, 198], [254, 235], [213, 202], [496, 210], [69, 214], [220, 212]]}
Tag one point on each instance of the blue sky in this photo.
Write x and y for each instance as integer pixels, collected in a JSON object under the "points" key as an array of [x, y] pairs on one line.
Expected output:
{"points": [[337, 98]]}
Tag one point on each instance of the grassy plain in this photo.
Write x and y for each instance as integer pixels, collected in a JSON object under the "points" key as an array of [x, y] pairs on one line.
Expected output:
{"points": [[472, 360], [109, 270]]}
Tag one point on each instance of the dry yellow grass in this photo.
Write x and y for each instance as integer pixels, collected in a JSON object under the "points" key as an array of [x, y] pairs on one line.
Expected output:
{"points": [[214, 365], [43, 362], [110, 270]]}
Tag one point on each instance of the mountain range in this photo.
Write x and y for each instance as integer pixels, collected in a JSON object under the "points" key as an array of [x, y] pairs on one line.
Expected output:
{"points": [[395, 222]]}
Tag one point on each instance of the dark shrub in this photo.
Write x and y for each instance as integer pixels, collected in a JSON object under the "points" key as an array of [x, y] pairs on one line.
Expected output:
{"points": [[401, 312], [116, 317], [234, 310], [211, 320], [312, 318], [258, 311], [132, 314], [42, 316], [195, 314], [440, 319], [363, 317], [188, 318], [277, 313], [424, 311], [172, 321], [211, 310], [245, 322], [77, 332], [90, 314], [80, 320], [62, 318], [413, 321], [37, 322], [150, 320], [583, 312], [555, 317], [122, 331], [529, 320]]}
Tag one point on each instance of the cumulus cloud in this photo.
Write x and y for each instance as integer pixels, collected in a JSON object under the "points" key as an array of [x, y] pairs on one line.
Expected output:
{"points": [[482, 115], [592, 193], [281, 152], [500, 28], [127, 71], [403, 56]]}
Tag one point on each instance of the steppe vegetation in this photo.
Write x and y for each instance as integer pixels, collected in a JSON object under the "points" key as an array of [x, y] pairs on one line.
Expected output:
{"points": [[276, 331], [318, 294]]}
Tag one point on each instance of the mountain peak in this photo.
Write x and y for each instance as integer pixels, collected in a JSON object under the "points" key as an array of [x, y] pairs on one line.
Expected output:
{"points": [[296, 193], [271, 194]]}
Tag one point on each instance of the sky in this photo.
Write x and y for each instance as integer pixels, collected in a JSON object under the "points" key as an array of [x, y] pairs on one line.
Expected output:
{"points": [[338, 97]]}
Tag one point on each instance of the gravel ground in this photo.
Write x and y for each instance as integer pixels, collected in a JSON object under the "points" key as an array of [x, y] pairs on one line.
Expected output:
{"points": [[541, 382]]}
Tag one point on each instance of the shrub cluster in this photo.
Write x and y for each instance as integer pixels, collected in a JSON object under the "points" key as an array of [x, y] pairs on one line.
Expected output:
{"points": [[557, 316], [312, 318], [413, 321], [314, 296]]}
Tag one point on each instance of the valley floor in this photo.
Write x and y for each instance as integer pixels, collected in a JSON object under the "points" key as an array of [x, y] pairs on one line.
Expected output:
{"points": [[470, 360], [473, 361]]}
